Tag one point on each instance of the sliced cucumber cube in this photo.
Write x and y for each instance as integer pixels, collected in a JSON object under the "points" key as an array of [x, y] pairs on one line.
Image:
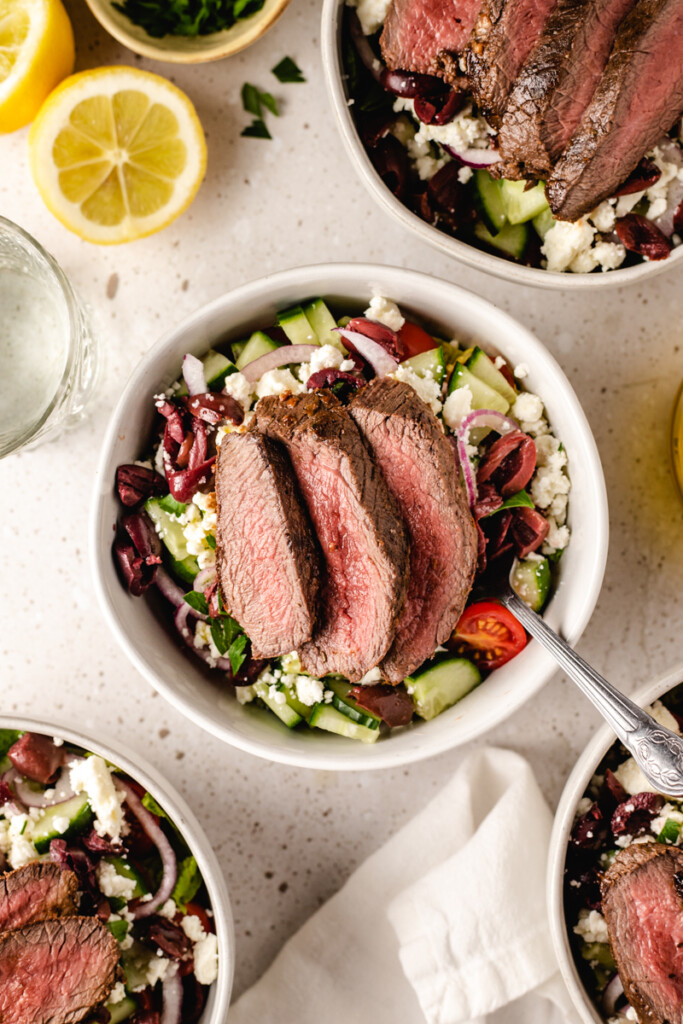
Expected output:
{"points": [[284, 711], [126, 870], [433, 362], [599, 951], [216, 368], [323, 323], [489, 201], [443, 683], [170, 531], [77, 811], [326, 717], [349, 707], [296, 326], [484, 368], [186, 570], [511, 239], [258, 345], [121, 1010], [238, 348], [543, 222], [531, 581], [521, 204], [483, 396]]}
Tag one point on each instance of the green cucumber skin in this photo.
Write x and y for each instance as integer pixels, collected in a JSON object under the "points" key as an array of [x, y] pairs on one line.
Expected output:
{"points": [[80, 815], [259, 344], [441, 685], [328, 718], [531, 581]]}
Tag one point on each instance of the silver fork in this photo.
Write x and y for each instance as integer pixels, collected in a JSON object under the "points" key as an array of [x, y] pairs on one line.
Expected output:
{"points": [[658, 751]]}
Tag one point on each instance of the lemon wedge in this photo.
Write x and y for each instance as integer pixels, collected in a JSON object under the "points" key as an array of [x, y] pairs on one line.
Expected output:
{"points": [[36, 53], [117, 153]]}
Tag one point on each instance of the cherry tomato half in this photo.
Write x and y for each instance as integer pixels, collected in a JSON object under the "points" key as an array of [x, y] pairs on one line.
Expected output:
{"points": [[199, 911], [415, 339], [488, 634]]}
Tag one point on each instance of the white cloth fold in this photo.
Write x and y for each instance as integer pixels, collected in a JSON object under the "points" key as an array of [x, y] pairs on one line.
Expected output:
{"points": [[445, 923]]}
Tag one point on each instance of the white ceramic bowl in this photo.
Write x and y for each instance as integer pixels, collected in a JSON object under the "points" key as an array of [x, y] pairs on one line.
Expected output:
{"points": [[564, 818], [218, 1001], [453, 313], [331, 34]]}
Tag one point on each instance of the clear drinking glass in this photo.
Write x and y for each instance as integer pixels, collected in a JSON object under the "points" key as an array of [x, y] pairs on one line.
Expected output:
{"points": [[48, 361]]}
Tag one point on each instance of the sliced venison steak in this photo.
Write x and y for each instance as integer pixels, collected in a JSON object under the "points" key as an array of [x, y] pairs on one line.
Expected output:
{"points": [[34, 893], [56, 972], [556, 84], [411, 449], [643, 908], [359, 528], [268, 559], [639, 97], [503, 36], [423, 35]]}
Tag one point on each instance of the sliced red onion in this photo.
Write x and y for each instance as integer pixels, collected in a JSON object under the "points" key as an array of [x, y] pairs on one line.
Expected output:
{"points": [[169, 588], [479, 418], [278, 357], [476, 158], [172, 997], [378, 357], [154, 831], [674, 198], [670, 150], [204, 578], [31, 797], [363, 48], [613, 990], [193, 372], [187, 635]]}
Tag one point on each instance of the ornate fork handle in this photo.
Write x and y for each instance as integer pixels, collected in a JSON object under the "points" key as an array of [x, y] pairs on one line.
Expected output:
{"points": [[658, 751]]}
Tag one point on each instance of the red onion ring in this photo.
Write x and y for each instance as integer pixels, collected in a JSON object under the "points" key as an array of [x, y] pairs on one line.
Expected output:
{"points": [[204, 578], [363, 48], [187, 636], [193, 372], [172, 997], [31, 798], [153, 830], [613, 990], [475, 158], [278, 357], [378, 357], [175, 594], [482, 418]]}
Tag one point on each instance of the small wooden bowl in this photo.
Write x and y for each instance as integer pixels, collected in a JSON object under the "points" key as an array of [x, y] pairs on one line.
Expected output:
{"points": [[186, 49]]}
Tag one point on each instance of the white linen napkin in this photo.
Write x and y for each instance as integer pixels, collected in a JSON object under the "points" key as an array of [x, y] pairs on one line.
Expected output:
{"points": [[445, 923]]}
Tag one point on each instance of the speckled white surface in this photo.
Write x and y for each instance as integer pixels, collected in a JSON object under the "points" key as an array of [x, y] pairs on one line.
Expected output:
{"points": [[287, 839]]}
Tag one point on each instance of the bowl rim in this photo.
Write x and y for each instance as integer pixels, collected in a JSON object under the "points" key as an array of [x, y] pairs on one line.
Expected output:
{"points": [[222, 47], [573, 790], [462, 251], [144, 772], [380, 756]]}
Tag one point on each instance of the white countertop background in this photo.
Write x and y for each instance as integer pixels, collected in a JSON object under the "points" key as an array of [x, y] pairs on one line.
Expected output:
{"points": [[287, 839]]}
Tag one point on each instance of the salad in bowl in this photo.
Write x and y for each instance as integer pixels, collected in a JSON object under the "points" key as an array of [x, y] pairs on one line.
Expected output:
{"points": [[324, 508], [105, 913]]}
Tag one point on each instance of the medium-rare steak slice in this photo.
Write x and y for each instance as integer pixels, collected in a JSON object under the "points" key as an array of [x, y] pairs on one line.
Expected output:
{"points": [[423, 35], [556, 83], [359, 527], [56, 972], [503, 36], [643, 907], [639, 97], [34, 893], [411, 449], [268, 562]]}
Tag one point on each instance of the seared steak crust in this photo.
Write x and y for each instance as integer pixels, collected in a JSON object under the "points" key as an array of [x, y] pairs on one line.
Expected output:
{"points": [[268, 560], [36, 892], [639, 97], [409, 446], [556, 83], [642, 905], [503, 36], [56, 972], [359, 527], [423, 35]]}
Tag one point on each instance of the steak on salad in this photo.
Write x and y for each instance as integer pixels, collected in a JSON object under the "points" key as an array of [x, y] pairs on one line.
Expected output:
{"points": [[425, 35], [36, 892]]}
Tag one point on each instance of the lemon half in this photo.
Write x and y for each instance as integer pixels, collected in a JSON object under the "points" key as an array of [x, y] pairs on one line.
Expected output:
{"points": [[36, 53], [117, 153]]}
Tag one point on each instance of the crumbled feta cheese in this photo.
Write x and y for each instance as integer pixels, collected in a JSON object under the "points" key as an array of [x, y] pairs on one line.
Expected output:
{"points": [[662, 715], [426, 387], [112, 883], [117, 994], [584, 805], [386, 312], [276, 382], [464, 174], [21, 850], [465, 131], [193, 928], [157, 969], [371, 14], [632, 779], [521, 371], [527, 407], [276, 695], [592, 926], [237, 385], [547, 483], [604, 216], [457, 406], [56, 739], [245, 694], [346, 365], [60, 824], [557, 537], [206, 960], [569, 246], [309, 690], [92, 777], [168, 910], [373, 676], [203, 638]]}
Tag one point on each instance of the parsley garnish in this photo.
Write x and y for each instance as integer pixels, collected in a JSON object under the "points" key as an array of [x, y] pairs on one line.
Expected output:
{"points": [[236, 653], [187, 17], [287, 71], [223, 631], [253, 100], [197, 601], [257, 130], [170, 505]]}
